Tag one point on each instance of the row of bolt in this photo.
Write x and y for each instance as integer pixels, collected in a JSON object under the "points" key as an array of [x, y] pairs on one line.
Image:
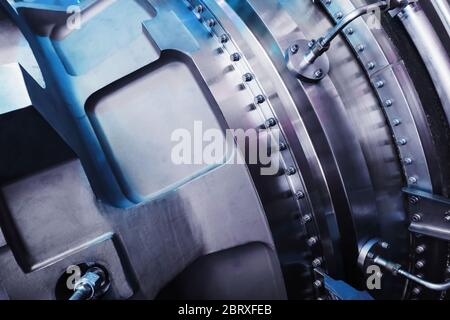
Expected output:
{"points": [[271, 122]]}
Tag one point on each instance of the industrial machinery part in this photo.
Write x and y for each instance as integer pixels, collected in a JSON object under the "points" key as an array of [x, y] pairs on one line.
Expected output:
{"points": [[92, 285], [370, 256], [110, 109]]}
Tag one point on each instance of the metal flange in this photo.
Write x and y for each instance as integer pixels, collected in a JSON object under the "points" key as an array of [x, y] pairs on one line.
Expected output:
{"points": [[297, 63]]}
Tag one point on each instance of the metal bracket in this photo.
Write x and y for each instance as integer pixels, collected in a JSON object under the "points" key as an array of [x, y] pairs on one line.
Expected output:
{"points": [[429, 214]]}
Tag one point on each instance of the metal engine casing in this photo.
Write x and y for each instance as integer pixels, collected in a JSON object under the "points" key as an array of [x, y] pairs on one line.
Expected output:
{"points": [[87, 117]]}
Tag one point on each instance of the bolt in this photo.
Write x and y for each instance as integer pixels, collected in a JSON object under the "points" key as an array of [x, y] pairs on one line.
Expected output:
{"points": [[290, 171], [318, 74], [299, 195], [420, 249], [317, 284], [384, 245], [371, 65], [248, 77], [416, 291], [306, 218], [388, 103], [294, 49], [412, 180], [413, 200], [270, 123], [199, 9], [416, 217], [317, 262], [447, 216], [311, 241], [420, 264], [224, 38], [260, 99], [235, 57], [408, 161], [380, 84]]}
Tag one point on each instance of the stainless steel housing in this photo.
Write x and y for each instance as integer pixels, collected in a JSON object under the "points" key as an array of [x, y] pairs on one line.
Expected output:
{"points": [[85, 137]]}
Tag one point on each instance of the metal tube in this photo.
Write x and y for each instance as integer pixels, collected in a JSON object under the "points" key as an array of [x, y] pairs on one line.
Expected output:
{"points": [[395, 269], [431, 50], [443, 10]]}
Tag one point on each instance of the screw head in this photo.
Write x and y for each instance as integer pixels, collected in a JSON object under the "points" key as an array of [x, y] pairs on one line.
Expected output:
{"points": [[211, 23], [317, 262], [420, 249], [361, 48], [290, 171], [312, 241], [235, 57], [447, 216], [318, 73], [350, 31], [416, 217], [388, 103], [420, 264], [413, 200], [339, 15], [299, 195], [224, 38], [260, 99], [408, 161], [247, 77], [306, 218], [371, 65], [294, 48], [416, 290], [199, 9], [402, 142], [317, 284], [412, 180], [270, 123]]}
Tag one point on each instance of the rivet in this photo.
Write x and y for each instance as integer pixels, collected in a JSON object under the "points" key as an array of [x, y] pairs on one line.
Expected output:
{"points": [[388, 103], [211, 23], [350, 31], [328, 2], [384, 245], [396, 122], [339, 15], [294, 49], [402, 142], [380, 84], [361, 48], [371, 65]]}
